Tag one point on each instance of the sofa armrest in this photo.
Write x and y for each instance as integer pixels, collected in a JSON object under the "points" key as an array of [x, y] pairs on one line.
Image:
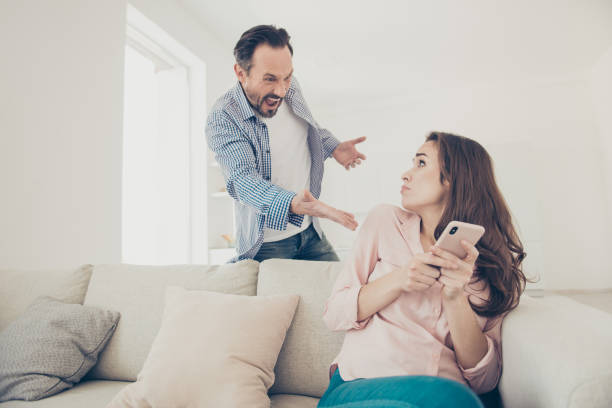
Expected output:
{"points": [[556, 353]]}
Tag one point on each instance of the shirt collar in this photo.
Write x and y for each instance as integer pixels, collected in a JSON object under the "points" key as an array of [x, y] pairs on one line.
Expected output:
{"points": [[410, 228], [246, 111]]}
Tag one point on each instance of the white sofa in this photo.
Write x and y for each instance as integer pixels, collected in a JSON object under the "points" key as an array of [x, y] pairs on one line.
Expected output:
{"points": [[557, 352]]}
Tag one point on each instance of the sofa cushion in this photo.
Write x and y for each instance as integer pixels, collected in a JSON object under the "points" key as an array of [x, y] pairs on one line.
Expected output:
{"points": [[557, 352], [20, 288], [212, 350], [310, 347], [50, 347], [137, 292], [86, 394]]}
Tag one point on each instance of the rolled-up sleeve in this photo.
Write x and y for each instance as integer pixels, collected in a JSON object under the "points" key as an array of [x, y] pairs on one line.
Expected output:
{"points": [[342, 306], [484, 376], [329, 142]]}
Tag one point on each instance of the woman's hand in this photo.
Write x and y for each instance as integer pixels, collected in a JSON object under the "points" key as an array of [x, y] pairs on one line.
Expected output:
{"points": [[454, 280], [421, 272]]}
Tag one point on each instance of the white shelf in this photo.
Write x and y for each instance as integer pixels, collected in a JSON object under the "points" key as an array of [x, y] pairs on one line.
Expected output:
{"points": [[221, 194], [221, 217], [218, 256]]}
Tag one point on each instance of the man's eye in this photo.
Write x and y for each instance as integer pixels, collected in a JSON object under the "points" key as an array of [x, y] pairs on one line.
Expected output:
{"points": [[270, 79]]}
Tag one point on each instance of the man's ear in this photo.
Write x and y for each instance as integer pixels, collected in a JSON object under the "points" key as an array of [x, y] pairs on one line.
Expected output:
{"points": [[240, 73]]}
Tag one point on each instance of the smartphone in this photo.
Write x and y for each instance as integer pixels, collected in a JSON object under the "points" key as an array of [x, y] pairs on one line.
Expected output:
{"points": [[455, 231]]}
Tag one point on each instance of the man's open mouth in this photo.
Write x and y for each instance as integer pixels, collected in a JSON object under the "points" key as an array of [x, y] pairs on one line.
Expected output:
{"points": [[271, 102]]}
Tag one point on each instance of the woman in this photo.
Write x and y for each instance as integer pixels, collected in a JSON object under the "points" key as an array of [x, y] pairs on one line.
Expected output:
{"points": [[423, 325]]}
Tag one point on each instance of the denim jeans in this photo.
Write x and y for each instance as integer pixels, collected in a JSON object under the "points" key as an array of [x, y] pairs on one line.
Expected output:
{"points": [[398, 392], [306, 245]]}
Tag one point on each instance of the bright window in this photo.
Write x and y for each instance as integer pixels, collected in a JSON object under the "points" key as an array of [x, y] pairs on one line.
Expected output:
{"points": [[161, 220]]}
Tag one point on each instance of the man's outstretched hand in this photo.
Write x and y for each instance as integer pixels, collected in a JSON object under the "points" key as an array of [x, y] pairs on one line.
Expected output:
{"points": [[347, 155], [305, 203]]}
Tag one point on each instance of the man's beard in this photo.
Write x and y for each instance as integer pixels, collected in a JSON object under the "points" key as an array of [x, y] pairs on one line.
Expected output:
{"points": [[262, 105]]}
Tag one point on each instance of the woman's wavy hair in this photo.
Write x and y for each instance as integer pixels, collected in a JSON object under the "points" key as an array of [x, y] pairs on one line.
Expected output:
{"points": [[475, 198]]}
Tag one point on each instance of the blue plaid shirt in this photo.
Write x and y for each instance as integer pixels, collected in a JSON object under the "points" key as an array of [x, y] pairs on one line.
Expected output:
{"points": [[241, 145]]}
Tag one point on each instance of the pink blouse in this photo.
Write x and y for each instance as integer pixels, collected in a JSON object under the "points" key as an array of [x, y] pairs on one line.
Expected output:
{"points": [[411, 335]]}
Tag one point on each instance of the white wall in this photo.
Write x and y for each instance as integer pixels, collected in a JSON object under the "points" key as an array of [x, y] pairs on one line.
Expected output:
{"points": [[601, 89], [545, 147], [60, 132], [61, 123]]}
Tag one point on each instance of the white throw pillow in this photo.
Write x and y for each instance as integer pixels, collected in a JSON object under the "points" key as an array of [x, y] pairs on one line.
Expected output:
{"points": [[212, 350]]}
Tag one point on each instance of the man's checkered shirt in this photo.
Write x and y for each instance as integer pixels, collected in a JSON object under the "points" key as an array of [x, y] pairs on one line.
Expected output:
{"points": [[241, 145]]}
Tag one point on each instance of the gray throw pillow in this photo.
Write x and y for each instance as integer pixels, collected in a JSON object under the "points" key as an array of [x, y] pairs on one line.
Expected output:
{"points": [[50, 347]]}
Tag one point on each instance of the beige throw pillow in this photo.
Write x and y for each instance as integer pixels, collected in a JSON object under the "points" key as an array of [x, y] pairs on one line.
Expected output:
{"points": [[212, 350]]}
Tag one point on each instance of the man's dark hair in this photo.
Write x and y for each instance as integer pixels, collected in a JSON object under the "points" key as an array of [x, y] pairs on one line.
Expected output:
{"points": [[261, 34]]}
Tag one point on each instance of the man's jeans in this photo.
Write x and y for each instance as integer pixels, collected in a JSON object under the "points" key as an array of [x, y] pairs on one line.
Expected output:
{"points": [[414, 391], [306, 245]]}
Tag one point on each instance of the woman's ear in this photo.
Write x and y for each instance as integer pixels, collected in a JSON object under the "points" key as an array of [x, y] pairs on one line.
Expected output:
{"points": [[444, 181]]}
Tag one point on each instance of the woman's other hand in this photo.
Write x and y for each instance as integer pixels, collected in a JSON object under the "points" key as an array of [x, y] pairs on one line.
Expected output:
{"points": [[422, 272]]}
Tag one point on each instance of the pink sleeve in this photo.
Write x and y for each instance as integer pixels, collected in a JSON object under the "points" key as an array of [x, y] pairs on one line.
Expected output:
{"points": [[484, 376], [341, 307]]}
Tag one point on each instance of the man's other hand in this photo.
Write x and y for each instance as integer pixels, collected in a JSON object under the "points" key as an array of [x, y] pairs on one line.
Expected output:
{"points": [[347, 155], [305, 203]]}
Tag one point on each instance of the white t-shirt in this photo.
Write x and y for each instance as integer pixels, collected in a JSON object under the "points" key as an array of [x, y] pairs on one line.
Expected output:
{"points": [[291, 161]]}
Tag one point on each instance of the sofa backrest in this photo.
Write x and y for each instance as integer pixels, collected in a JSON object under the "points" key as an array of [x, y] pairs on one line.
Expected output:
{"points": [[310, 347], [137, 292], [19, 288]]}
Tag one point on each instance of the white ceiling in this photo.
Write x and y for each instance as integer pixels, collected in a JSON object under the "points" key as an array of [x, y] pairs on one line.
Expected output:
{"points": [[394, 46]]}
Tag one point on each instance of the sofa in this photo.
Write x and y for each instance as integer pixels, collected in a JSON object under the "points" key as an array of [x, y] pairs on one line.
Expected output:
{"points": [[556, 352]]}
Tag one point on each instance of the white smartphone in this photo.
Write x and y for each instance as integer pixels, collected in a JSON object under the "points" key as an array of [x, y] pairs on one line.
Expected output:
{"points": [[455, 231]]}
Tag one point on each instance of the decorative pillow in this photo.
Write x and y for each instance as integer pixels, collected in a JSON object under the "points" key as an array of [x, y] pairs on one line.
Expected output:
{"points": [[20, 288], [212, 350], [51, 347]]}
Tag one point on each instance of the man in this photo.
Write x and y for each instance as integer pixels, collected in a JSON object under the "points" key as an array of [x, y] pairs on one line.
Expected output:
{"points": [[271, 152]]}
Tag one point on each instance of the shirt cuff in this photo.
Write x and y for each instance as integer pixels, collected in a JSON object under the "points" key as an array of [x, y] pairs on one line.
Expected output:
{"points": [[296, 219], [470, 373], [329, 145], [353, 297], [278, 212]]}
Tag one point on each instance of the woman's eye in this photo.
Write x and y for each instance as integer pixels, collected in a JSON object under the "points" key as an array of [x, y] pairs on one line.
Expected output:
{"points": [[421, 163]]}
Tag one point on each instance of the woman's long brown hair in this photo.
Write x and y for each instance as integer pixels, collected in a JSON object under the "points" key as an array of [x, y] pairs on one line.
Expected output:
{"points": [[475, 198]]}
